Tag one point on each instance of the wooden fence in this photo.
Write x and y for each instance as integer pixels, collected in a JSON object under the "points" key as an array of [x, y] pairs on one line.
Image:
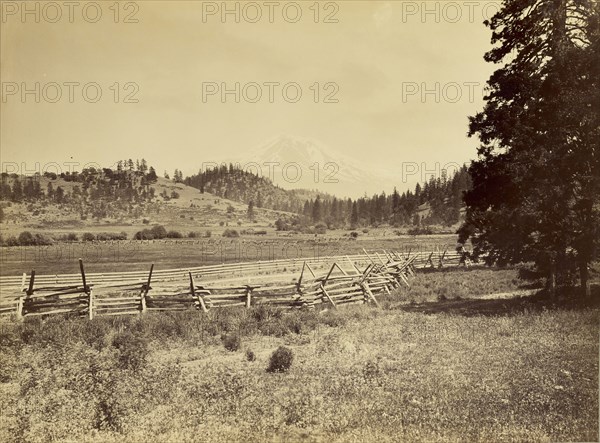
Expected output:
{"points": [[330, 281]]}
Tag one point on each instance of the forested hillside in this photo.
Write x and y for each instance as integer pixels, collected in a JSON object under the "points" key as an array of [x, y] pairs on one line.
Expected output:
{"points": [[233, 183], [128, 191], [92, 192], [436, 202]]}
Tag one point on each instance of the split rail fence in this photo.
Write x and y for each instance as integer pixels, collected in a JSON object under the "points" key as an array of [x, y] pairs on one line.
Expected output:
{"points": [[333, 281]]}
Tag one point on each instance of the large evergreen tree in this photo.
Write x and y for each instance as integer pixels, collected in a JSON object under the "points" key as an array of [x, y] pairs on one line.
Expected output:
{"points": [[536, 183]]}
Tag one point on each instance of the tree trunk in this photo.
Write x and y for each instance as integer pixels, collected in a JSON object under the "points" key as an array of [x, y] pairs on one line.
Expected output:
{"points": [[584, 277], [551, 282]]}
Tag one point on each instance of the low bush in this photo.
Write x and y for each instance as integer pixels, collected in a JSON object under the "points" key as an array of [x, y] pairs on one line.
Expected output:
{"points": [[425, 230], [232, 342], [10, 241], [281, 360], [155, 233], [110, 236], [88, 236], [231, 233], [26, 238], [320, 228], [133, 350]]}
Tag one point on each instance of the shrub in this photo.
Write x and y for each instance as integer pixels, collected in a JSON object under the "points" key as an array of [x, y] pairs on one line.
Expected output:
{"points": [[174, 234], [365, 231], [250, 355], [420, 231], [207, 234], [88, 236], [354, 234], [146, 221], [158, 231], [372, 372], [11, 241], [143, 235], [133, 350], [192, 234], [42, 240], [232, 342], [26, 238], [281, 360], [105, 236], [231, 233], [320, 228]]}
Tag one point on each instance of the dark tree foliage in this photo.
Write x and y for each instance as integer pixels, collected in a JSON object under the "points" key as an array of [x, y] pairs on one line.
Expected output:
{"points": [[235, 183], [536, 183], [443, 197]]}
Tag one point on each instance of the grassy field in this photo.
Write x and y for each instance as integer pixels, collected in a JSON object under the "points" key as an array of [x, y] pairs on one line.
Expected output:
{"points": [[61, 258], [437, 363]]}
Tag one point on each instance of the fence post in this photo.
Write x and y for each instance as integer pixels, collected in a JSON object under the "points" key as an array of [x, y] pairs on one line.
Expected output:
{"points": [[327, 295], [367, 290], [82, 270], [87, 290], [19, 313], [199, 297], [248, 297], [145, 288], [22, 298], [90, 304], [441, 264], [31, 282]]}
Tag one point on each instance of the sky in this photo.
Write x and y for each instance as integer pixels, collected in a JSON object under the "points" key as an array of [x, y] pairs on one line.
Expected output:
{"points": [[364, 69]]}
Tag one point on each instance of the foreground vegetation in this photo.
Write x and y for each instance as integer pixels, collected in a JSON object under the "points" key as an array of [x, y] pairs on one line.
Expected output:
{"points": [[429, 366]]}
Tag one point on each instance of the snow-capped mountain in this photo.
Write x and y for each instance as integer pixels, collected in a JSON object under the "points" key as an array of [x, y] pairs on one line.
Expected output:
{"points": [[294, 162]]}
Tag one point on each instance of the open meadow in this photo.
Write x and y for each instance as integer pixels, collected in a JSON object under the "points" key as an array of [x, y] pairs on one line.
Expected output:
{"points": [[111, 256], [442, 361]]}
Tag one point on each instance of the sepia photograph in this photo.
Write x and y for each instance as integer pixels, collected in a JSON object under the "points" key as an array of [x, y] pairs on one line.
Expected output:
{"points": [[299, 221]]}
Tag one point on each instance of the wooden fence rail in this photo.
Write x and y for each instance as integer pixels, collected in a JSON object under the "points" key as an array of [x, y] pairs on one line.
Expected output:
{"points": [[332, 281]]}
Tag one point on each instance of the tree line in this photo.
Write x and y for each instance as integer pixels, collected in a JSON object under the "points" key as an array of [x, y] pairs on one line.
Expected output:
{"points": [[95, 192], [438, 201]]}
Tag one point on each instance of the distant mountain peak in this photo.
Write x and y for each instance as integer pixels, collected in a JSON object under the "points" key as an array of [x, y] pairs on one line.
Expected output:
{"points": [[298, 162]]}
